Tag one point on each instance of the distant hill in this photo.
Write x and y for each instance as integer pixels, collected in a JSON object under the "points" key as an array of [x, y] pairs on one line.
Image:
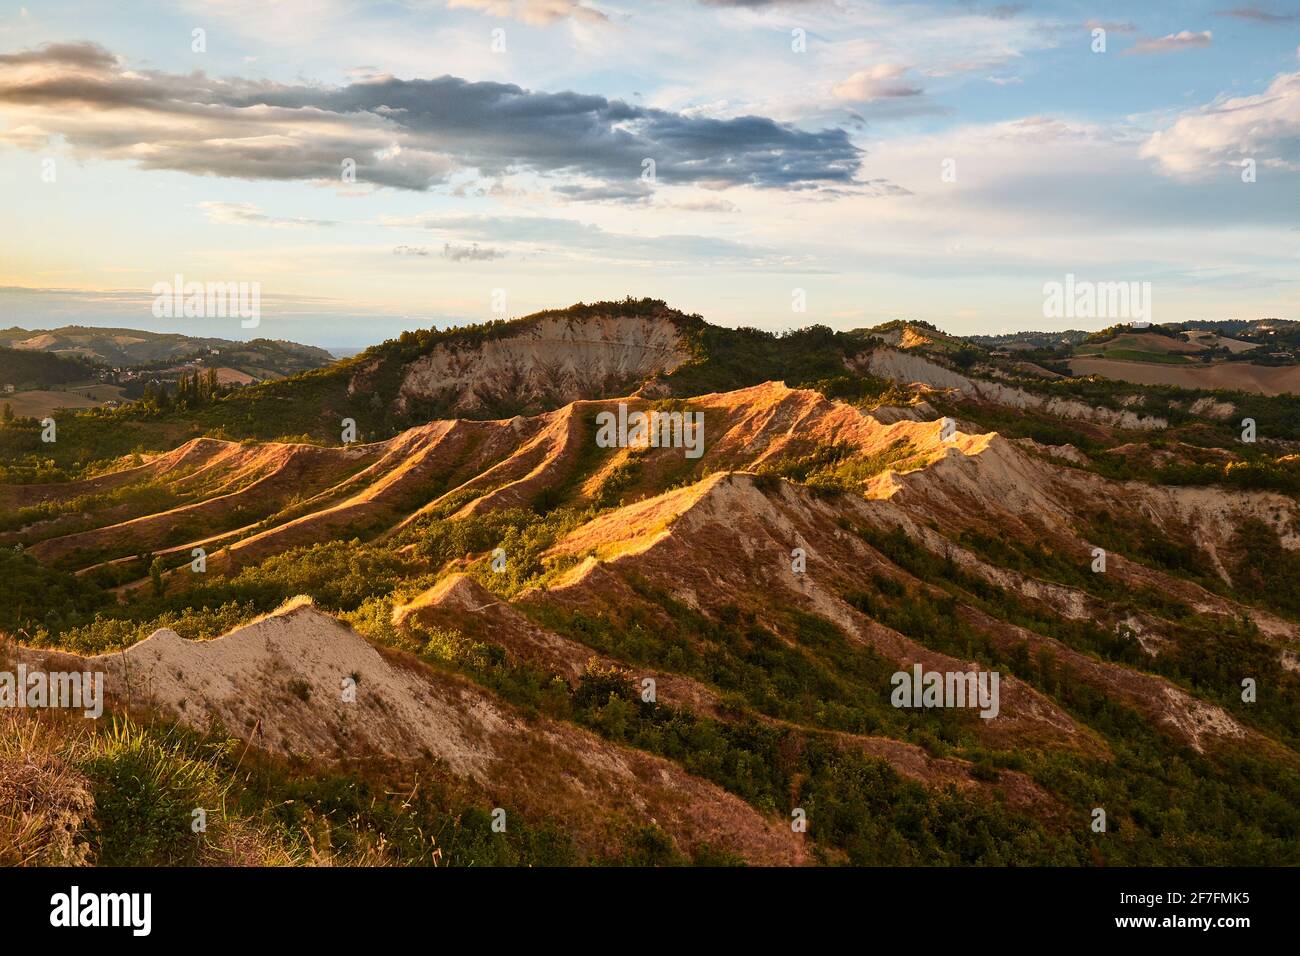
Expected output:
{"points": [[1261, 356], [591, 351], [1246, 329], [119, 348], [1235, 327], [1030, 340], [25, 370]]}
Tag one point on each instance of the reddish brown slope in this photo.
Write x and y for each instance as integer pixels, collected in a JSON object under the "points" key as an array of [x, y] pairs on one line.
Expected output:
{"points": [[278, 683]]}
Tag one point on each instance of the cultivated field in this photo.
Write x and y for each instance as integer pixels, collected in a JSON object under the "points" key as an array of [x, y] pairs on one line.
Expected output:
{"points": [[42, 401], [1262, 379]]}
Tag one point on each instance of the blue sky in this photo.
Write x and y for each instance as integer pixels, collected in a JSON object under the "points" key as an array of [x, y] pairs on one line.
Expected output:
{"points": [[500, 148]]}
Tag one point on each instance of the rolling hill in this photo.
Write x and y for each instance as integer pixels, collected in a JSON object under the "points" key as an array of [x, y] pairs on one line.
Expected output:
{"points": [[1261, 357], [25, 370], [120, 348], [637, 655]]}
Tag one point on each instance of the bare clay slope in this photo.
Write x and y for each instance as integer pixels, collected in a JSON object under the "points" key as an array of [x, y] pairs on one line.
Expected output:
{"points": [[550, 361], [736, 538], [280, 682]]}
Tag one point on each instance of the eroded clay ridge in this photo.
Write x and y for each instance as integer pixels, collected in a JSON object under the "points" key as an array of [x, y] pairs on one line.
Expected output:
{"points": [[735, 536], [301, 683], [552, 360], [900, 366], [717, 531]]}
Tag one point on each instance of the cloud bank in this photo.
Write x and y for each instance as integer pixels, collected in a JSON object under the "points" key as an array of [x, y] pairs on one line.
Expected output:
{"points": [[403, 134]]}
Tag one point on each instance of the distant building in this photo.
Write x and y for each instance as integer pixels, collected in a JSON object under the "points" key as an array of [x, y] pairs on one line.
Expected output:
{"points": [[9, 389]]}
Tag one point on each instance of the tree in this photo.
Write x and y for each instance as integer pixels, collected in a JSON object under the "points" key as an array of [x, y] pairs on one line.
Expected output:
{"points": [[8, 414], [156, 575]]}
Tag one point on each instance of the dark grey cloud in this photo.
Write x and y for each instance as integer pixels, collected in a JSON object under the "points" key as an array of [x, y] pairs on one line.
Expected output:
{"points": [[642, 194], [72, 54], [997, 11], [407, 134], [470, 253], [1110, 26], [636, 191], [495, 127], [1258, 15]]}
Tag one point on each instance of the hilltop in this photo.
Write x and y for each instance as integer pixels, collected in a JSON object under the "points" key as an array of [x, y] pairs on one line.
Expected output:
{"points": [[134, 347]]}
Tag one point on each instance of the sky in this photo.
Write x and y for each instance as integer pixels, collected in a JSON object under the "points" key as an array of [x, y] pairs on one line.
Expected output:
{"points": [[381, 166]]}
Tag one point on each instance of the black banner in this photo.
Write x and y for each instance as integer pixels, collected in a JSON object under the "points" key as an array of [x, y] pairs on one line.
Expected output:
{"points": [[333, 905]]}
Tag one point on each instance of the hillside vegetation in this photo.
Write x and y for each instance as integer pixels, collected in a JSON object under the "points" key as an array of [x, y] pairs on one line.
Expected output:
{"points": [[500, 588], [26, 370]]}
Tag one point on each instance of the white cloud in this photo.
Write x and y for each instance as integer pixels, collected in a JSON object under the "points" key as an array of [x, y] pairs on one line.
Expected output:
{"points": [[1183, 40], [1264, 127], [248, 214], [533, 12], [883, 81]]}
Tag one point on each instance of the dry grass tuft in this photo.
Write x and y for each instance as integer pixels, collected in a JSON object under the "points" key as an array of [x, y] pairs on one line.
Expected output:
{"points": [[45, 801]]}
